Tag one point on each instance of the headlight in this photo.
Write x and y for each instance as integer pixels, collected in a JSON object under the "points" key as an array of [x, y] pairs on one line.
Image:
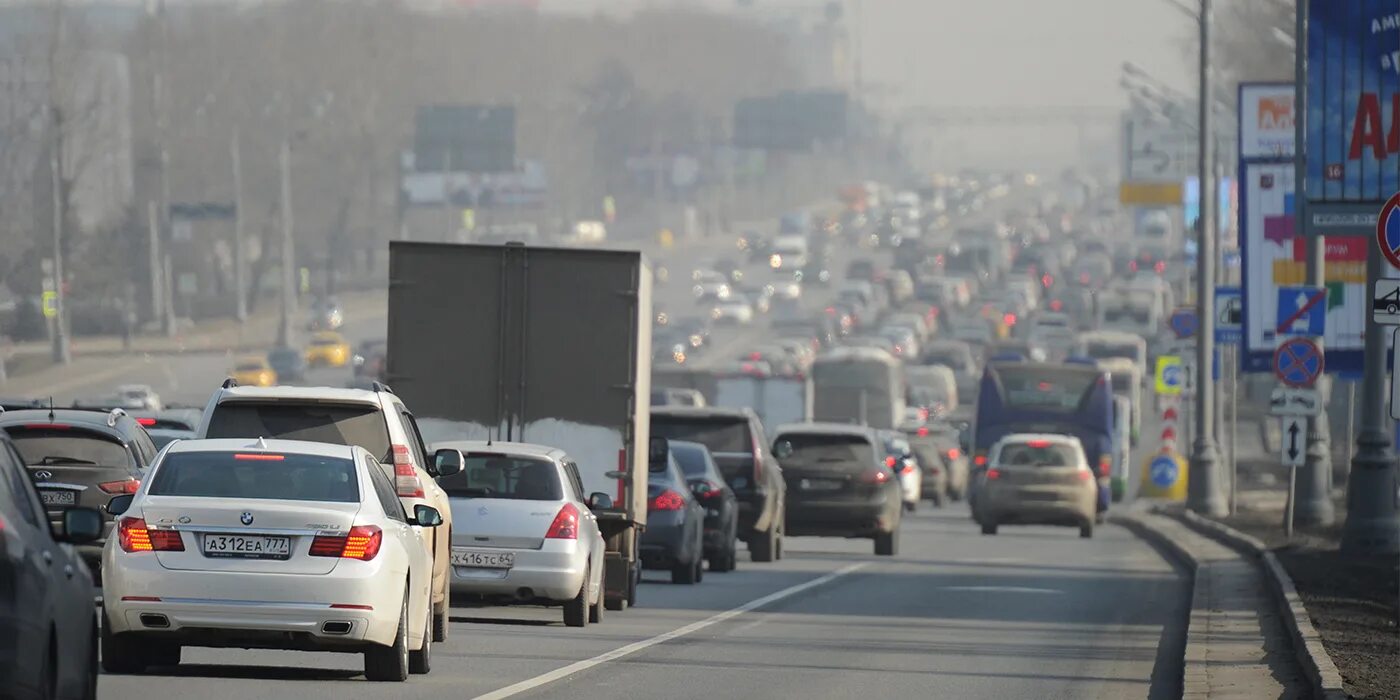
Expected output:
{"points": [[775, 261], [698, 290]]}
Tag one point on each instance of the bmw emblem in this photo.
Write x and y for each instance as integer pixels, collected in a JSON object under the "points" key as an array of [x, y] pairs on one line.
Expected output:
{"points": [[482, 511], [246, 518], [43, 475]]}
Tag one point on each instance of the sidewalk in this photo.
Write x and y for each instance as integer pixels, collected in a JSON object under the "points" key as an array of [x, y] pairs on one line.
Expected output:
{"points": [[1236, 643]]}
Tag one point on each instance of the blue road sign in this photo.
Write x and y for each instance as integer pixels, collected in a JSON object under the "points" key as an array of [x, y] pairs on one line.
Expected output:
{"points": [[1298, 362], [1302, 311], [1163, 471], [1174, 376], [1184, 322], [1229, 315]]}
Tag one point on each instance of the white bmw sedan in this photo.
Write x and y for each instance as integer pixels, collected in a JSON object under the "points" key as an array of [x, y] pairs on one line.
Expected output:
{"points": [[274, 544]]}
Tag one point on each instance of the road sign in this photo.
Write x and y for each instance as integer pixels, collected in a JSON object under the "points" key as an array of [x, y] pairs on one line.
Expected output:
{"points": [[1184, 322], [49, 300], [1385, 302], [1295, 440], [1388, 230], [1302, 311], [1229, 315], [1170, 375], [1157, 152], [1298, 362], [1289, 401], [1162, 470]]}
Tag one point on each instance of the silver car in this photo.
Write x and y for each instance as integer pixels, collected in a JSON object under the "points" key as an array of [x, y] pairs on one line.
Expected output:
{"points": [[523, 531]]}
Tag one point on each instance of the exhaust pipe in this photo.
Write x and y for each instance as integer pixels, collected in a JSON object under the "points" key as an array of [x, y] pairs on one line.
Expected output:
{"points": [[336, 627], [155, 620], [524, 593]]}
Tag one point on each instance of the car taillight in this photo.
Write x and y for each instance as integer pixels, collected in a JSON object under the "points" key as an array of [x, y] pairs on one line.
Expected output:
{"points": [[993, 475], [708, 489], [908, 468], [666, 500], [890, 461], [1105, 465], [980, 460], [123, 486], [922, 431], [1047, 281], [362, 542], [146, 422], [405, 477], [134, 536], [1038, 444], [1132, 265], [1160, 267], [954, 453], [876, 476], [1009, 319], [565, 525], [1084, 474], [1056, 305]]}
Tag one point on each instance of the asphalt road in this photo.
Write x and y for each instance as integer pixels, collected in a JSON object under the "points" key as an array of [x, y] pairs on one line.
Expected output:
{"points": [[1033, 612]]}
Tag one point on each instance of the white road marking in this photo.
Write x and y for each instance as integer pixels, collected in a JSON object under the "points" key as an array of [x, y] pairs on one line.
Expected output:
{"points": [[621, 652], [1001, 589]]}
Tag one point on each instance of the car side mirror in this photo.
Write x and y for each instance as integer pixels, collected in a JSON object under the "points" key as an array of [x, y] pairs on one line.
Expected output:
{"points": [[658, 450], [426, 516], [600, 501], [82, 525], [448, 462], [120, 504]]}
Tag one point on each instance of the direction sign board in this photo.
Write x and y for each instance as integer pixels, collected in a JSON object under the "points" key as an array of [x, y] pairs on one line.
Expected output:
{"points": [[1385, 302], [1229, 315], [1294, 444], [1302, 311], [1156, 151], [1184, 322], [1298, 362], [1170, 375], [1289, 401]]}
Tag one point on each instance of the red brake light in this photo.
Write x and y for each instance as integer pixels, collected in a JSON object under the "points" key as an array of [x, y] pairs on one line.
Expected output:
{"points": [[1047, 280], [350, 606], [565, 525], [1056, 305], [1009, 319], [1038, 443], [980, 460], [666, 500], [890, 461], [954, 453], [755, 356], [1160, 266], [1105, 465], [1132, 265], [993, 475], [922, 431], [124, 486], [259, 457], [362, 542], [1084, 474], [878, 476], [406, 481], [146, 422], [134, 536], [908, 468], [167, 541]]}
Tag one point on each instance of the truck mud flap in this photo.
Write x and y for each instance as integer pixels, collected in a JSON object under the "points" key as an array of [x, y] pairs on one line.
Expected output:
{"points": [[618, 571]]}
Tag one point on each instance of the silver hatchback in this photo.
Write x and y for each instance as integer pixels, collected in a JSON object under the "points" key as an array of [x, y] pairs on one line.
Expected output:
{"points": [[524, 532]]}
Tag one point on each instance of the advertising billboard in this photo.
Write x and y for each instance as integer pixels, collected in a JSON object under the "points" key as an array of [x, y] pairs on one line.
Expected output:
{"points": [[1266, 120]]}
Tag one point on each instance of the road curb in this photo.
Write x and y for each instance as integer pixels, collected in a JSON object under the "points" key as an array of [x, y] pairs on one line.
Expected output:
{"points": [[1317, 664], [1193, 685]]}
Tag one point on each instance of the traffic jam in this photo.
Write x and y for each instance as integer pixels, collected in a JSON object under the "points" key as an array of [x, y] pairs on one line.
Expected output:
{"points": [[826, 374]]}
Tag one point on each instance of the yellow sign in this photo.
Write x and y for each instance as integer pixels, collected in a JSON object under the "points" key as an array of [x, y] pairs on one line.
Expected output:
{"points": [[1170, 376], [1295, 273], [50, 304], [666, 238], [469, 219], [1150, 194], [1164, 477]]}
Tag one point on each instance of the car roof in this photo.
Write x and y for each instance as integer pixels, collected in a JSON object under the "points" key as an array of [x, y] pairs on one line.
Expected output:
{"points": [[525, 449], [312, 393], [826, 429], [702, 412], [95, 419], [301, 447]]}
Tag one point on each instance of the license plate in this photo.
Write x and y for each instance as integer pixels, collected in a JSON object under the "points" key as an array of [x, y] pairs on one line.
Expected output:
{"points": [[58, 498], [247, 547], [820, 484], [483, 560]]}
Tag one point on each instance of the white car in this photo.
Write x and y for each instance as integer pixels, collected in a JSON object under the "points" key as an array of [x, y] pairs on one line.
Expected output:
{"points": [[147, 397], [276, 544], [734, 310], [526, 533]]}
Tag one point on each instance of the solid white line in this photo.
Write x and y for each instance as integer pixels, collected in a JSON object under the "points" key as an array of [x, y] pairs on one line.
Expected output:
{"points": [[630, 649]]}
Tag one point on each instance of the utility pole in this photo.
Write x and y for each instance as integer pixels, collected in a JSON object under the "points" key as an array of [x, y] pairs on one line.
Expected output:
{"points": [[1313, 504], [284, 331], [162, 106], [1203, 484], [240, 309], [62, 353]]}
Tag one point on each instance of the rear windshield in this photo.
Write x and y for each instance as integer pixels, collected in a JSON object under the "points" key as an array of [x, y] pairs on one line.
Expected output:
{"points": [[719, 434], [337, 424], [1037, 454], [957, 359], [1030, 387], [1106, 351], [504, 476], [262, 475], [817, 449], [48, 446], [691, 459]]}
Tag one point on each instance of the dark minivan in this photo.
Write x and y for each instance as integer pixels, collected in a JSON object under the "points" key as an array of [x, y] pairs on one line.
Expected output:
{"points": [[736, 440]]}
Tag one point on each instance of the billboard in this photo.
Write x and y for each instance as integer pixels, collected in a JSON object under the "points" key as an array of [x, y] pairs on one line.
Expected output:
{"points": [[1274, 255], [1353, 101], [464, 139], [1266, 120]]}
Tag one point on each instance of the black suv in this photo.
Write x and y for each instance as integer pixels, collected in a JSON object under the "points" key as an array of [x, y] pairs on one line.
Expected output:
{"points": [[739, 445], [80, 458]]}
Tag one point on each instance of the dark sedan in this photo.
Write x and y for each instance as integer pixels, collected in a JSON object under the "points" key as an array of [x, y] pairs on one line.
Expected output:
{"points": [[674, 537], [721, 506]]}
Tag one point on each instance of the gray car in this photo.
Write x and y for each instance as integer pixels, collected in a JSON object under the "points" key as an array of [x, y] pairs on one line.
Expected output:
{"points": [[675, 534]]}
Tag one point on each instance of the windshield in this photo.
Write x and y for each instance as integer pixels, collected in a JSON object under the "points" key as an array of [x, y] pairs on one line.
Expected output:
{"points": [[227, 475], [338, 424], [719, 434], [45, 446], [809, 449], [504, 476]]}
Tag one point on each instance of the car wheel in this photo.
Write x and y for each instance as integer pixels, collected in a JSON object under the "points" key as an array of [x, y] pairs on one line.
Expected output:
{"points": [[595, 611], [576, 609], [699, 568], [121, 653], [391, 663], [683, 573], [440, 624], [989, 528], [420, 660], [910, 506], [90, 684], [887, 543], [764, 546], [1086, 530]]}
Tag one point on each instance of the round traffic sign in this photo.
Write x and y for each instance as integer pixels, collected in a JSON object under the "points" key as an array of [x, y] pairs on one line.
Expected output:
{"points": [[1298, 362], [1162, 469], [1173, 375], [1388, 230]]}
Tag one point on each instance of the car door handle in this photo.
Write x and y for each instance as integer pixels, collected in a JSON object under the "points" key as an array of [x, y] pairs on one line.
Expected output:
{"points": [[68, 570], [48, 558]]}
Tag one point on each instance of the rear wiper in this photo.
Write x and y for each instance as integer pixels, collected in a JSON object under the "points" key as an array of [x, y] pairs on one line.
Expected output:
{"points": [[58, 459]]}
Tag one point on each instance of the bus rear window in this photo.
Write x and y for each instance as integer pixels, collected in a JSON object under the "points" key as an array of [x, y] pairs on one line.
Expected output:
{"points": [[1030, 388]]}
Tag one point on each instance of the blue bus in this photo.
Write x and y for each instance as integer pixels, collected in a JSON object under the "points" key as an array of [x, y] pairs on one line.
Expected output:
{"points": [[1067, 399]]}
